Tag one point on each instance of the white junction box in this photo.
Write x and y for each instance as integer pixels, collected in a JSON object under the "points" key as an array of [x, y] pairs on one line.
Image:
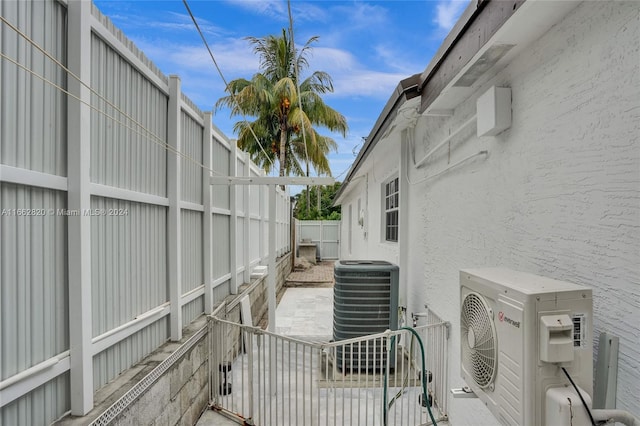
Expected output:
{"points": [[494, 111]]}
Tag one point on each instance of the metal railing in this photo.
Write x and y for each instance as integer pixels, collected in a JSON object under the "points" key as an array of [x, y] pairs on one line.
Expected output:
{"points": [[262, 378]]}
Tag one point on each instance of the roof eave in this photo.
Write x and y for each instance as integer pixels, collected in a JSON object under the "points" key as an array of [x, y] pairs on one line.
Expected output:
{"points": [[405, 90]]}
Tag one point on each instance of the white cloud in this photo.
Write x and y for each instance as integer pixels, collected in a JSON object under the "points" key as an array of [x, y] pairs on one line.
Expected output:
{"points": [[350, 77], [448, 12], [360, 15], [272, 8], [234, 56], [301, 11]]}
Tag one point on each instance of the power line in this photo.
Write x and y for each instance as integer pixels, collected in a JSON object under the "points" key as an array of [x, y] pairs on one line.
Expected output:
{"points": [[224, 80]]}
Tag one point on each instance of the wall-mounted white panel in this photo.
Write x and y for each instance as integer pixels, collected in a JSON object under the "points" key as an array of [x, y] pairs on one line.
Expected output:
{"points": [[33, 113], [128, 261]]}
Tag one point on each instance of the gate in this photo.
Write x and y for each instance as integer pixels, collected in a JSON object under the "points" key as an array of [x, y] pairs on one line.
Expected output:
{"points": [[261, 378], [324, 233]]}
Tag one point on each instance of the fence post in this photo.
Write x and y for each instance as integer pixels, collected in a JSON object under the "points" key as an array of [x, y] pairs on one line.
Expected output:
{"points": [[247, 221], [321, 238], [233, 219], [79, 199], [206, 214], [263, 215], [271, 277], [173, 192]]}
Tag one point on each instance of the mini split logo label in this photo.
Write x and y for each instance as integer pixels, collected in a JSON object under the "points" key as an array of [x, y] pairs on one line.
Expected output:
{"points": [[503, 318]]}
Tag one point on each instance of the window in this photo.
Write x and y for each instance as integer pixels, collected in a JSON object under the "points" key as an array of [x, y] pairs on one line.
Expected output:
{"points": [[391, 198]]}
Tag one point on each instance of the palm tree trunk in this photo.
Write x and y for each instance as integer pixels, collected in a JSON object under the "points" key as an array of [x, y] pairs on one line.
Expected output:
{"points": [[283, 154], [308, 194]]}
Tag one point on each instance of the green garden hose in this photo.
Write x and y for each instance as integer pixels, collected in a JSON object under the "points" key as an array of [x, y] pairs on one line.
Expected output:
{"points": [[423, 379]]}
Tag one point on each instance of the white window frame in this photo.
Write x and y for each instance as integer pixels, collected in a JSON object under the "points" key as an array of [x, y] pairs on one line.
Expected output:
{"points": [[391, 209]]}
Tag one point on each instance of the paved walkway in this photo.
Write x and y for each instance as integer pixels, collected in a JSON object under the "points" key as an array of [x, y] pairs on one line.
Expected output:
{"points": [[320, 275]]}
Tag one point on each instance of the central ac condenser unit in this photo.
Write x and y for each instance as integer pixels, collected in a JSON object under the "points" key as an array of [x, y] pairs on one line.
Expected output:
{"points": [[517, 331], [365, 301]]}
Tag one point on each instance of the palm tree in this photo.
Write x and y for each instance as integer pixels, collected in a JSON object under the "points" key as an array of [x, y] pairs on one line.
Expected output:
{"points": [[284, 130]]}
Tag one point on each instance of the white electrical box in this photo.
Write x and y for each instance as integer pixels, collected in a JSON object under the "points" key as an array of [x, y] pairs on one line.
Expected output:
{"points": [[493, 110]]}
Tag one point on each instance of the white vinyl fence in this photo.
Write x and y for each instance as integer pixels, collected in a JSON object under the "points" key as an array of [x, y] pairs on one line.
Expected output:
{"points": [[324, 233], [111, 242]]}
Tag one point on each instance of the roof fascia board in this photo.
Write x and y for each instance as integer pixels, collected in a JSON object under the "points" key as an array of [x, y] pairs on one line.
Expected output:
{"points": [[472, 31], [405, 90]]}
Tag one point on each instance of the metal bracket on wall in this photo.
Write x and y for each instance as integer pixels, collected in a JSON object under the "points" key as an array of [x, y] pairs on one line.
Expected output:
{"points": [[606, 380]]}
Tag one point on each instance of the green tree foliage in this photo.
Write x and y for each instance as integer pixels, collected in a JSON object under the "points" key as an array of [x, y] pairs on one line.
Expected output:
{"points": [[273, 99], [326, 212]]}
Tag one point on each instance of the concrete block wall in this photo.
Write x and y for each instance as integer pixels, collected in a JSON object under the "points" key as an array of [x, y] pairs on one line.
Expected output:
{"points": [[178, 397]]}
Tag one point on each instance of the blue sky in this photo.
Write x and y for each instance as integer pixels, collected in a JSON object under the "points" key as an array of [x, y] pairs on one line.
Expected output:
{"points": [[366, 46]]}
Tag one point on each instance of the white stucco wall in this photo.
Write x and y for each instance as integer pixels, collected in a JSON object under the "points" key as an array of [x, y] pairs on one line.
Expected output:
{"points": [[558, 194], [368, 240]]}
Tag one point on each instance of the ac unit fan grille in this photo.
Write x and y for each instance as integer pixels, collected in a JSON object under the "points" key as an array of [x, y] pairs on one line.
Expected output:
{"points": [[478, 335]]}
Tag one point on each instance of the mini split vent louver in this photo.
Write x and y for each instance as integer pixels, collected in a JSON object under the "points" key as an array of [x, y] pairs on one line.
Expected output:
{"points": [[479, 354]]}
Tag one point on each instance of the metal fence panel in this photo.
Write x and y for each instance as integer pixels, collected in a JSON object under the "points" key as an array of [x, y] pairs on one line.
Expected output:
{"points": [[108, 364], [192, 310], [35, 140], [128, 261], [254, 241], [191, 178], [40, 407], [221, 238], [34, 299], [220, 193], [192, 261], [126, 155]]}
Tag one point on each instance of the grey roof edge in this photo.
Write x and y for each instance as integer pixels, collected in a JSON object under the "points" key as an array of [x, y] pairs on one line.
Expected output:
{"points": [[458, 30], [405, 90]]}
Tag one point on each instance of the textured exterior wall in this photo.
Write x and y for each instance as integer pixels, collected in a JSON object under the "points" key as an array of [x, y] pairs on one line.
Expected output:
{"points": [[558, 194]]}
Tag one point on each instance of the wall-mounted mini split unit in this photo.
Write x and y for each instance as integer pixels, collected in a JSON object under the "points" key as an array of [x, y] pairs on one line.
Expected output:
{"points": [[517, 331], [365, 301]]}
